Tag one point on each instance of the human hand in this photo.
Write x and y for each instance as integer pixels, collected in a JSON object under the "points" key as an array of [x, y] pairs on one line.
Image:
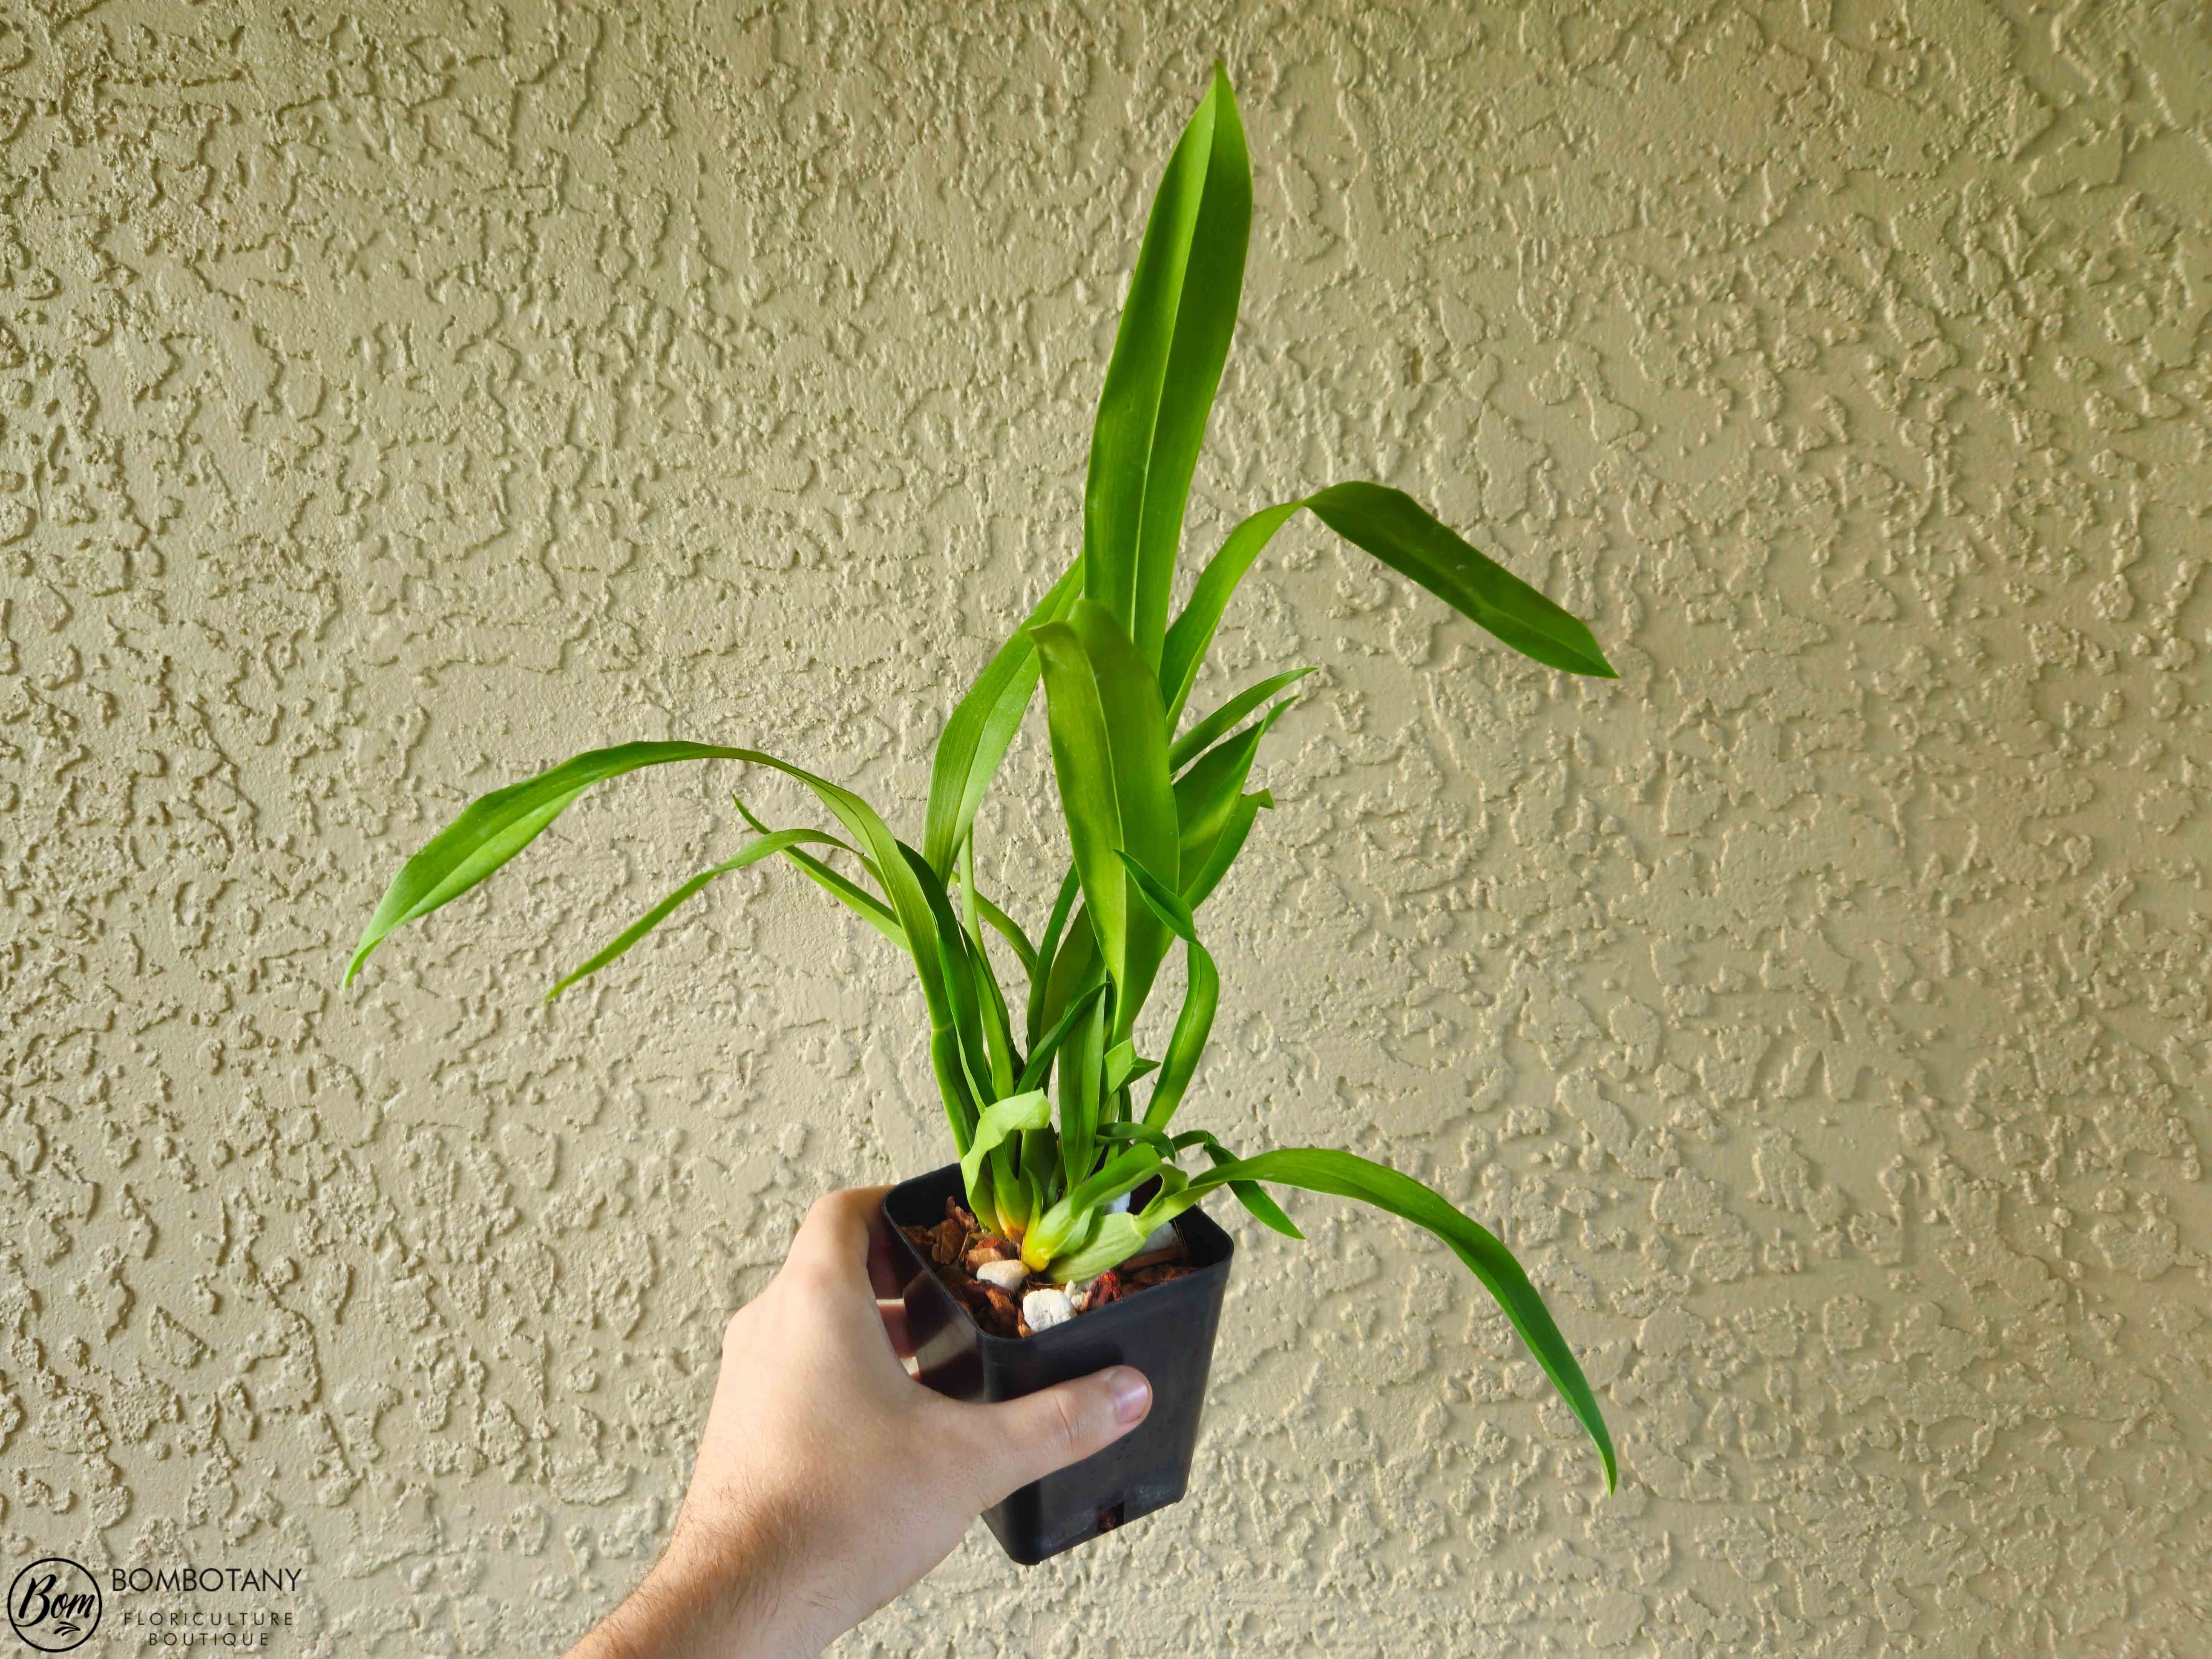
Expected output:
{"points": [[828, 1479]]}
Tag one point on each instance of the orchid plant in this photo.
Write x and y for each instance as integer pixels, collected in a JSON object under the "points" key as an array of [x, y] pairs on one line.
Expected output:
{"points": [[1056, 1115]]}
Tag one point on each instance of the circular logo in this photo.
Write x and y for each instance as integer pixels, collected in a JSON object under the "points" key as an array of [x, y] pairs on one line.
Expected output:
{"points": [[54, 1605]]}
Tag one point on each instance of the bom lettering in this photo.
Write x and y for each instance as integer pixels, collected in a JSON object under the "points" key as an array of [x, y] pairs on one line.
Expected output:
{"points": [[45, 1598]]}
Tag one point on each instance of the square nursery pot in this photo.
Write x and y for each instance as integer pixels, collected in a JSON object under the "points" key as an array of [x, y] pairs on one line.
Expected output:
{"points": [[1166, 1331]]}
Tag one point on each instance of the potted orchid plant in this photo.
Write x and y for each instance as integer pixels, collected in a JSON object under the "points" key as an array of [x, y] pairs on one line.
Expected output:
{"points": [[1068, 1233]]}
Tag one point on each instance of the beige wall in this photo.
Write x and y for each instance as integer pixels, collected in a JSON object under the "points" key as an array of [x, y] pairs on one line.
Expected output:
{"points": [[392, 404]]}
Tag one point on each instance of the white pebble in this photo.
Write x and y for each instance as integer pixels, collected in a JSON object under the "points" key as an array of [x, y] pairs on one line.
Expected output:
{"points": [[1160, 1238], [1046, 1307], [1008, 1276]]}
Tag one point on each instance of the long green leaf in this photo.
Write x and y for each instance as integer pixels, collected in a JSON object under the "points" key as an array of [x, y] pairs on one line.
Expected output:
{"points": [[1109, 757], [1252, 1196], [1184, 651], [1082, 1088], [998, 1024], [1010, 931], [766, 847], [983, 728], [1160, 382], [1347, 1175], [998, 1027], [1208, 796], [1249, 1194], [1125, 1065], [493, 828], [1205, 318], [1402, 532], [1132, 1133], [1195, 1022], [1076, 965], [962, 995], [1040, 1060], [1040, 1168], [1213, 860], [863, 904], [1395, 528], [1047, 953], [1202, 737]]}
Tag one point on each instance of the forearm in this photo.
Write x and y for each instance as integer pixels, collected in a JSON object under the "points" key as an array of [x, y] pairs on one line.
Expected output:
{"points": [[702, 1601]]}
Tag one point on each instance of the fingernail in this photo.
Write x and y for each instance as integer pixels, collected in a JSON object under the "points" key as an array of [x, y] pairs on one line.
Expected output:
{"points": [[1133, 1395]]}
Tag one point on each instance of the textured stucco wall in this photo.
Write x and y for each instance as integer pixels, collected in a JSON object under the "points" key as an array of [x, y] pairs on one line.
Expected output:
{"points": [[396, 400]]}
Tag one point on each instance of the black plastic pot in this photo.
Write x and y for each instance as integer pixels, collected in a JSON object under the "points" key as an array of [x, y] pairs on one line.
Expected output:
{"points": [[1166, 1332]]}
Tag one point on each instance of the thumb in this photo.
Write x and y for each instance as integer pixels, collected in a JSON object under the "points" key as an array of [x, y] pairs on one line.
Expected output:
{"points": [[1031, 1436]]}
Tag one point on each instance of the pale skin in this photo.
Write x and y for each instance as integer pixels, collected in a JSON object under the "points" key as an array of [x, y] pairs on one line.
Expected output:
{"points": [[828, 1479]]}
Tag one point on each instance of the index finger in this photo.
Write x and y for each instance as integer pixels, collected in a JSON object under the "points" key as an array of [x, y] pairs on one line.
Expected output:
{"points": [[845, 1230]]}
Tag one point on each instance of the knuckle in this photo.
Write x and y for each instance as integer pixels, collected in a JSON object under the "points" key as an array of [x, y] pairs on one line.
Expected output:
{"points": [[1069, 1432], [809, 1277]]}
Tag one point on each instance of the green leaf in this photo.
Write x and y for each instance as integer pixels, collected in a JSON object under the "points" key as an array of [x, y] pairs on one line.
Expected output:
{"points": [[1047, 953], [1075, 966], [1122, 1173], [1010, 931], [998, 1024], [1397, 530], [1111, 1240], [1209, 796], [1082, 1089], [863, 904], [1029, 1110], [1124, 1066], [1040, 1164], [1401, 532], [892, 862], [1139, 1132], [1249, 1194], [493, 828], [1195, 1022], [1347, 1175], [1160, 383], [1110, 758], [766, 847], [1252, 1196], [1201, 737], [1216, 857], [983, 728], [962, 995], [1187, 642], [1040, 1060]]}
